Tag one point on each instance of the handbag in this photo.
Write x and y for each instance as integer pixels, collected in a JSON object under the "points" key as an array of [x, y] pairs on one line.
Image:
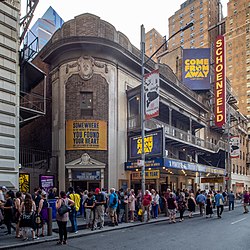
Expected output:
{"points": [[63, 209]]}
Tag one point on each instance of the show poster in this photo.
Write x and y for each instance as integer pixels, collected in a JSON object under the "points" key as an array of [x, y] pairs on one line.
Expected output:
{"points": [[24, 182], [47, 182], [86, 135], [153, 145], [196, 68]]}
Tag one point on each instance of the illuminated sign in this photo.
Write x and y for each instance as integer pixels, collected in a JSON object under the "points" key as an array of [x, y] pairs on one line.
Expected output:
{"points": [[153, 145], [24, 183], [156, 163], [86, 134], [220, 83], [151, 174], [196, 68], [212, 180]]}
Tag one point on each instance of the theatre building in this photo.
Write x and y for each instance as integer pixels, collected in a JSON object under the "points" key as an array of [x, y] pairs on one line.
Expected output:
{"points": [[93, 83]]}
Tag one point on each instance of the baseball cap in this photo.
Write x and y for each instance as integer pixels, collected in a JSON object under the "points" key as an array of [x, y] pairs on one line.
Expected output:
{"points": [[97, 190], [3, 187]]}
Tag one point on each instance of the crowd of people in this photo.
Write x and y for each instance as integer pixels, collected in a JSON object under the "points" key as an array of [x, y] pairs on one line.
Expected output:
{"points": [[29, 212]]}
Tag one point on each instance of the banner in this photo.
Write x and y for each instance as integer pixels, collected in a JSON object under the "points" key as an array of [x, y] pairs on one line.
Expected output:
{"points": [[151, 88], [220, 82], [86, 134], [196, 68], [234, 143], [47, 182]]}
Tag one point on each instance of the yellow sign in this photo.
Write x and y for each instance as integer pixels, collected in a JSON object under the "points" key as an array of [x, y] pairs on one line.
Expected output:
{"points": [[86, 134], [148, 144], [24, 183], [212, 180], [151, 174]]}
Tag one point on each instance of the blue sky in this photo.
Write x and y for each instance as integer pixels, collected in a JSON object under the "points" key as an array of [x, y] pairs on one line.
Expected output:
{"points": [[125, 16]]}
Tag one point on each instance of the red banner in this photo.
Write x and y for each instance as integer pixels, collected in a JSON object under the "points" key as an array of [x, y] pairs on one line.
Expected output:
{"points": [[220, 82]]}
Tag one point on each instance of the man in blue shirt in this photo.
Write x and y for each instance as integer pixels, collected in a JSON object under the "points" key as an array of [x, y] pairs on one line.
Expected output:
{"points": [[219, 202], [112, 206], [200, 199]]}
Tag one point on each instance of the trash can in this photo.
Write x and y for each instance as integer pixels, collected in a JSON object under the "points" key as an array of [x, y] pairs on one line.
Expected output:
{"points": [[52, 204]]}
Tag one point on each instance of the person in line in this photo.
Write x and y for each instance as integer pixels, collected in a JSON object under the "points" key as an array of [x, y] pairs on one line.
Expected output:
{"points": [[112, 206], [201, 199], [89, 206], [63, 219], [155, 203], [131, 205], [146, 201], [181, 205], [74, 209], [27, 217], [219, 201], [17, 204], [84, 197], [8, 216], [231, 199], [121, 205], [209, 206], [43, 212], [246, 199], [172, 206], [100, 201], [191, 205]]}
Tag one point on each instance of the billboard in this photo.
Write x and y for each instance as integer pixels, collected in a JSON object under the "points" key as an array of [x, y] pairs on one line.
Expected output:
{"points": [[86, 134], [151, 88], [220, 82], [196, 68], [153, 144]]}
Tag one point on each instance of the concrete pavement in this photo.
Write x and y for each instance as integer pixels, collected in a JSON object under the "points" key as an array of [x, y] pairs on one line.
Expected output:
{"points": [[9, 241]]}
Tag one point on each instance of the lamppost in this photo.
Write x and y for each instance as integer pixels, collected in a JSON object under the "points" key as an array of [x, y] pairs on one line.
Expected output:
{"points": [[143, 63]]}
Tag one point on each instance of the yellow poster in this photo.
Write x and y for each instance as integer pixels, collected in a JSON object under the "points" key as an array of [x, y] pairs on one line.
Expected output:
{"points": [[86, 134], [24, 183]]}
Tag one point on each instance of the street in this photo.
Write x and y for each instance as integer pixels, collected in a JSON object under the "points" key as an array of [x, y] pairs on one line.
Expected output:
{"points": [[231, 232]]}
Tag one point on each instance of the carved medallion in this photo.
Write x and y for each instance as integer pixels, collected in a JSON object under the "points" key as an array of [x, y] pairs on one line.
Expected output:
{"points": [[85, 159], [85, 66]]}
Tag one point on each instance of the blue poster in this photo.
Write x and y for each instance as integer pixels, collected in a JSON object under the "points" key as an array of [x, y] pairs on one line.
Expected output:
{"points": [[196, 68]]}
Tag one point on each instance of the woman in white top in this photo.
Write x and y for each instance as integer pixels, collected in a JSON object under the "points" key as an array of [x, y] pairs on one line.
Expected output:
{"points": [[155, 203], [131, 204]]}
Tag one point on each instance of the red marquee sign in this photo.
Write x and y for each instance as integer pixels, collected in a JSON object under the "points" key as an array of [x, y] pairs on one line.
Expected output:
{"points": [[220, 82]]}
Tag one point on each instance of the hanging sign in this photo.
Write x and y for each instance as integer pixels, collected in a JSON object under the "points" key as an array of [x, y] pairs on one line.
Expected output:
{"points": [[234, 143], [151, 88]]}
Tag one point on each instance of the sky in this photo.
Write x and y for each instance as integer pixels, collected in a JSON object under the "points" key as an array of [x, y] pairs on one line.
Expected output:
{"points": [[126, 16]]}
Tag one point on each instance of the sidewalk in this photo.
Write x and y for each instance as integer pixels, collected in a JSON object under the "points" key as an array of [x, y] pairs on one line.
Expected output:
{"points": [[9, 241]]}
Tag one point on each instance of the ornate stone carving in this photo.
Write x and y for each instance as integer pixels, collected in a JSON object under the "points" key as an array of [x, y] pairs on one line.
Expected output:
{"points": [[85, 159], [85, 67]]}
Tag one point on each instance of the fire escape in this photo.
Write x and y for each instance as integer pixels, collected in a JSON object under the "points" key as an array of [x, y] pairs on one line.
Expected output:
{"points": [[32, 79]]}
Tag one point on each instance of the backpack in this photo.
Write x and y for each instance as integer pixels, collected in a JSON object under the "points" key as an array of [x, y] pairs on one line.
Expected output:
{"points": [[114, 199]]}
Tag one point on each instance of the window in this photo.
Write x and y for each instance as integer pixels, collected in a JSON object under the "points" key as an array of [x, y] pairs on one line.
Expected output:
{"points": [[233, 168], [201, 43], [201, 15], [237, 170], [201, 22], [86, 103]]}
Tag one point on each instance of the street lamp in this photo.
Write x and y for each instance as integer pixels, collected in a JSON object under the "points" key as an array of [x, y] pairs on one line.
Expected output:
{"points": [[143, 63]]}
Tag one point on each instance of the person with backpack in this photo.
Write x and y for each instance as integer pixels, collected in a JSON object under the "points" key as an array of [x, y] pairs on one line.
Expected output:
{"points": [[112, 206], [8, 212], [63, 217]]}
